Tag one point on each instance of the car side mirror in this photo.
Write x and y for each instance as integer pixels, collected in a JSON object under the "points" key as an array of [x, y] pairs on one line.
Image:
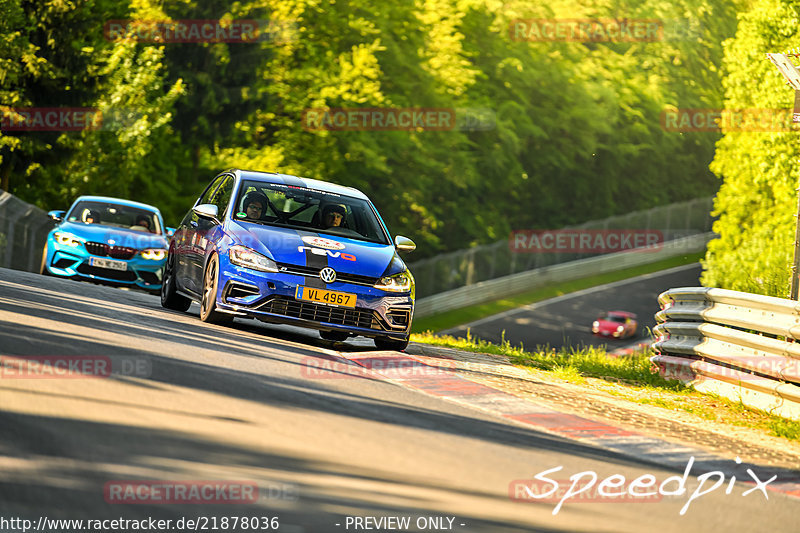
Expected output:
{"points": [[58, 216], [208, 211], [404, 244], [170, 231]]}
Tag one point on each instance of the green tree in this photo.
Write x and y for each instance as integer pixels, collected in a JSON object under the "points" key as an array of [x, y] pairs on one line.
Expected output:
{"points": [[757, 199]]}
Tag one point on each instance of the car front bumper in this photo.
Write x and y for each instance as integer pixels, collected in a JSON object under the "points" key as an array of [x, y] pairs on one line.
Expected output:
{"points": [[270, 296], [74, 262]]}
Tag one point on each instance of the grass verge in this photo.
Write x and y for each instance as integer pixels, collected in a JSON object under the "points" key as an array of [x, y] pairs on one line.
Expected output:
{"points": [[630, 377], [464, 315]]}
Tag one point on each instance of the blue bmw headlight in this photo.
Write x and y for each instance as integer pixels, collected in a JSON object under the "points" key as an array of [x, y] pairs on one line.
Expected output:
{"points": [[154, 254], [400, 282], [67, 239], [243, 256]]}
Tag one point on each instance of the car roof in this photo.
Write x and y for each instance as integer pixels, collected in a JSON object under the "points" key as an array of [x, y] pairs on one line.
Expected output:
{"points": [[120, 201], [288, 179]]}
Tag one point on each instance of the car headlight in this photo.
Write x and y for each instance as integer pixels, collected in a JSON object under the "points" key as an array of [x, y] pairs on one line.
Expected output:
{"points": [[154, 254], [246, 257], [67, 239], [595, 324], [400, 282], [620, 328]]}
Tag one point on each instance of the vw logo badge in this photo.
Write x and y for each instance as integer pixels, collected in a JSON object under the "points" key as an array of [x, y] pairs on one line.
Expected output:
{"points": [[327, 274]]}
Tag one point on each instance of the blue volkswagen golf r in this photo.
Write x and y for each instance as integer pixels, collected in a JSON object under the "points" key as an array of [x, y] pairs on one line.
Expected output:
{"points": [[291, 250]]}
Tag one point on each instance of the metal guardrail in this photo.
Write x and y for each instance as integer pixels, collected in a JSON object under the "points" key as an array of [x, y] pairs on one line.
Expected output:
{"points": [[462, 268], [494, 289], [734, 344], [23, 231]]}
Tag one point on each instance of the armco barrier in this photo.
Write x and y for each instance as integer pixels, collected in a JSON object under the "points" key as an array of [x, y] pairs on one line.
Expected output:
{"points": [[23, 231], [734, 344], [494, 289]]}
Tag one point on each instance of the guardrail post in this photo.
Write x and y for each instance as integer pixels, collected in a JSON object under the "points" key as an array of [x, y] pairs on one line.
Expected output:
{"points": [[796, 259]]}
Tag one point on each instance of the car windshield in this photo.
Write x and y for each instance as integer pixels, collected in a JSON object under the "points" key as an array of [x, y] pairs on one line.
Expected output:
{"points": [[116, 215], [308, 209], [614, 318]]}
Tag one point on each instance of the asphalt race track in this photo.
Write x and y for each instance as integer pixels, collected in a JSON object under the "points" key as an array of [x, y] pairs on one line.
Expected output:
{"points": [[566, 321], [191, 403]]}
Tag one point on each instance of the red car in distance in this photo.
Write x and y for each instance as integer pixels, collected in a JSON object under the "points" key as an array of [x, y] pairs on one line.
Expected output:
{"points": [[617, 324]]}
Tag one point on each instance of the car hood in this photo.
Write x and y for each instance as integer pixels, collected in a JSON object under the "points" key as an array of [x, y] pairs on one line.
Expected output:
{"points": [[312, 249], [121, 236]]}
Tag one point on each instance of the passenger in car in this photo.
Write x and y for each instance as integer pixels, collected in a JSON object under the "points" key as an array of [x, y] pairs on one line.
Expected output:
{"points": [[142, 221]]}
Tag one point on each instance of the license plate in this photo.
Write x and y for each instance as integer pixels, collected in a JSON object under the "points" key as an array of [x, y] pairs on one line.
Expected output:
{"points": [[344, 299], [108, 263]]}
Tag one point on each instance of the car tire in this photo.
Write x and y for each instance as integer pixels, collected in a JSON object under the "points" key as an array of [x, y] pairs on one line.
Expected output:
{"points": [[334, 336], [170, 299], [383, 343], [208, 304]]}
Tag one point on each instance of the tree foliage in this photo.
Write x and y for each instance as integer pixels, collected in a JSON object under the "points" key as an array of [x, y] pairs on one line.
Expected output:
{"points": [[757, 199], [576, 132]]}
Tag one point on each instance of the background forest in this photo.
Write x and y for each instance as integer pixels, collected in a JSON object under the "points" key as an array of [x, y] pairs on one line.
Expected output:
{"points": [[577, 132]]}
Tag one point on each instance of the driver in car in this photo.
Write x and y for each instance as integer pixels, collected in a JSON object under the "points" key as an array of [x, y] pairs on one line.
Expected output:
{"points": [[91, 217], [333, 216], [255, 204]]}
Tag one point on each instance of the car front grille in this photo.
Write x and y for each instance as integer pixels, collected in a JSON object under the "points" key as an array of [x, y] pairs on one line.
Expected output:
{"points": [[104, 250], [97, 248], [119, 275], [321, 313], [286, 268]]}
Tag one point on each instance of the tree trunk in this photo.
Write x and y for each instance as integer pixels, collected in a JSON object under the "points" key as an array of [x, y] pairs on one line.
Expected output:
{"points": [[5, 175]]}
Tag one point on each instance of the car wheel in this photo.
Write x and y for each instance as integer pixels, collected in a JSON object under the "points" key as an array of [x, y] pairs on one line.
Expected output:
{"points": [[169, 297], [383, 343], [334, 336], [208, 305]]}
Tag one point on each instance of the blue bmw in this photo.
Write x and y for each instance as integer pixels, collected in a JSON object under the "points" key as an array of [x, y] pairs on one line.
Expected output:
{"points": [[108, 240], [291, 250]]}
